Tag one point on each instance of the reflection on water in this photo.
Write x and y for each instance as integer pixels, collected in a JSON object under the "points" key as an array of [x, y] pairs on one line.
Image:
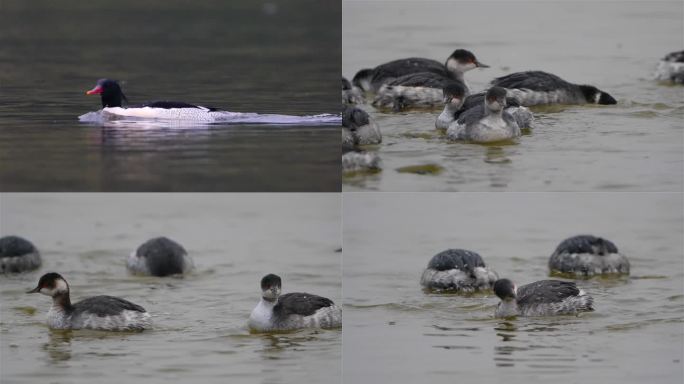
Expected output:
{"points": [[233, 55], [58, 347]]}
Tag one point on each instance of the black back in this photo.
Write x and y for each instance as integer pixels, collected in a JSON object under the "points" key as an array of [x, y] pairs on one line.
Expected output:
{"points": [[460, 259], [169, 105], [353, 117], [533, 80], [164, 256], [675, 57], [477, 100], [586, 244], [11, 246], [105, 306], [401, 67], [546, 291], [303, 304], [423, 79]]}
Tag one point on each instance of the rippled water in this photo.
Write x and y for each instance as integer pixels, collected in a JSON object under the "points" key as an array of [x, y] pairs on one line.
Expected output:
{"points": [[635, 145], [199, 328], [241, 56], [394, 332]]}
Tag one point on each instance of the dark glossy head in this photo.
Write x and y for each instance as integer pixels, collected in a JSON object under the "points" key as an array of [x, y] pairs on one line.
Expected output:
{"points": [[270, 287], [454, 93], [51, 284], [110, 93], [505, 289], [346, 85], [463, 60], [596, 96], [495, 98], [363, 78]]}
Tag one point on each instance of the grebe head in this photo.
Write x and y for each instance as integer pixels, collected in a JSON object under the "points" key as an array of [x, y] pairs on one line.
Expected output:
{"points": [[505, 289], [454, 94], [51, 284], [463, 60], [495, 99], [270, 287]]}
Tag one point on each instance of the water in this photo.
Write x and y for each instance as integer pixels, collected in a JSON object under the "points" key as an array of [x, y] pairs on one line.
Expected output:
{"points": [[394, 332], [242, 56], [199, 321], [636, 145]]}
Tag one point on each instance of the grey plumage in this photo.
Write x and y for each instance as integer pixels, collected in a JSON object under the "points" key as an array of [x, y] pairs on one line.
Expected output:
{"points": [[537, 87], [457, 270], [160, 256], [587, 255], [302, 304], [103, 306], [18, 255], [541, 298]]}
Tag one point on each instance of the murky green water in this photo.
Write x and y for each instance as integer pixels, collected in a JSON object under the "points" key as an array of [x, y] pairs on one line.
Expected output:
{"points": [[245, 56], [635, 145], [394, 332], [199, 328]]}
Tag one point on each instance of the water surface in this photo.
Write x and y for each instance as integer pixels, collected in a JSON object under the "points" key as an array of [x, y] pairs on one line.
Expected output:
{"points": [[635, 145], [241, 56], [394, 332], [199, 330]]}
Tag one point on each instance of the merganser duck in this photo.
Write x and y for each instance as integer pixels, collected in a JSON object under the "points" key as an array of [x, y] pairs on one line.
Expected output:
{"points": [[113, 108]]}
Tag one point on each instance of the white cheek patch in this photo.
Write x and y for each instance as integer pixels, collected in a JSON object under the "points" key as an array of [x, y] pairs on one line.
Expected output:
{"points": [[597, 97], [456, 66]]}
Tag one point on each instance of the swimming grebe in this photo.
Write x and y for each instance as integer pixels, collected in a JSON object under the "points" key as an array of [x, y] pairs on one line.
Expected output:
{"points": [[276, 312], [488, 121], [541, 298], [18, 255], [587, 255], [99, 312], [537, 87], [457, 270], [159, 256]]}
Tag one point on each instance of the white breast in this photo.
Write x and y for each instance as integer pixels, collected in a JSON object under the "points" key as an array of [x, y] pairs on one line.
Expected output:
{"points": [[261, 317]]}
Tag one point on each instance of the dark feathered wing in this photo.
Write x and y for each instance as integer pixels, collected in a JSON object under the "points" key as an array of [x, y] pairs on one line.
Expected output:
{"points": [[303, 304], [534, 80], [585, 244], [422, 79], [456, 258], [403, 67], [105, 306], [546, 291]]}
